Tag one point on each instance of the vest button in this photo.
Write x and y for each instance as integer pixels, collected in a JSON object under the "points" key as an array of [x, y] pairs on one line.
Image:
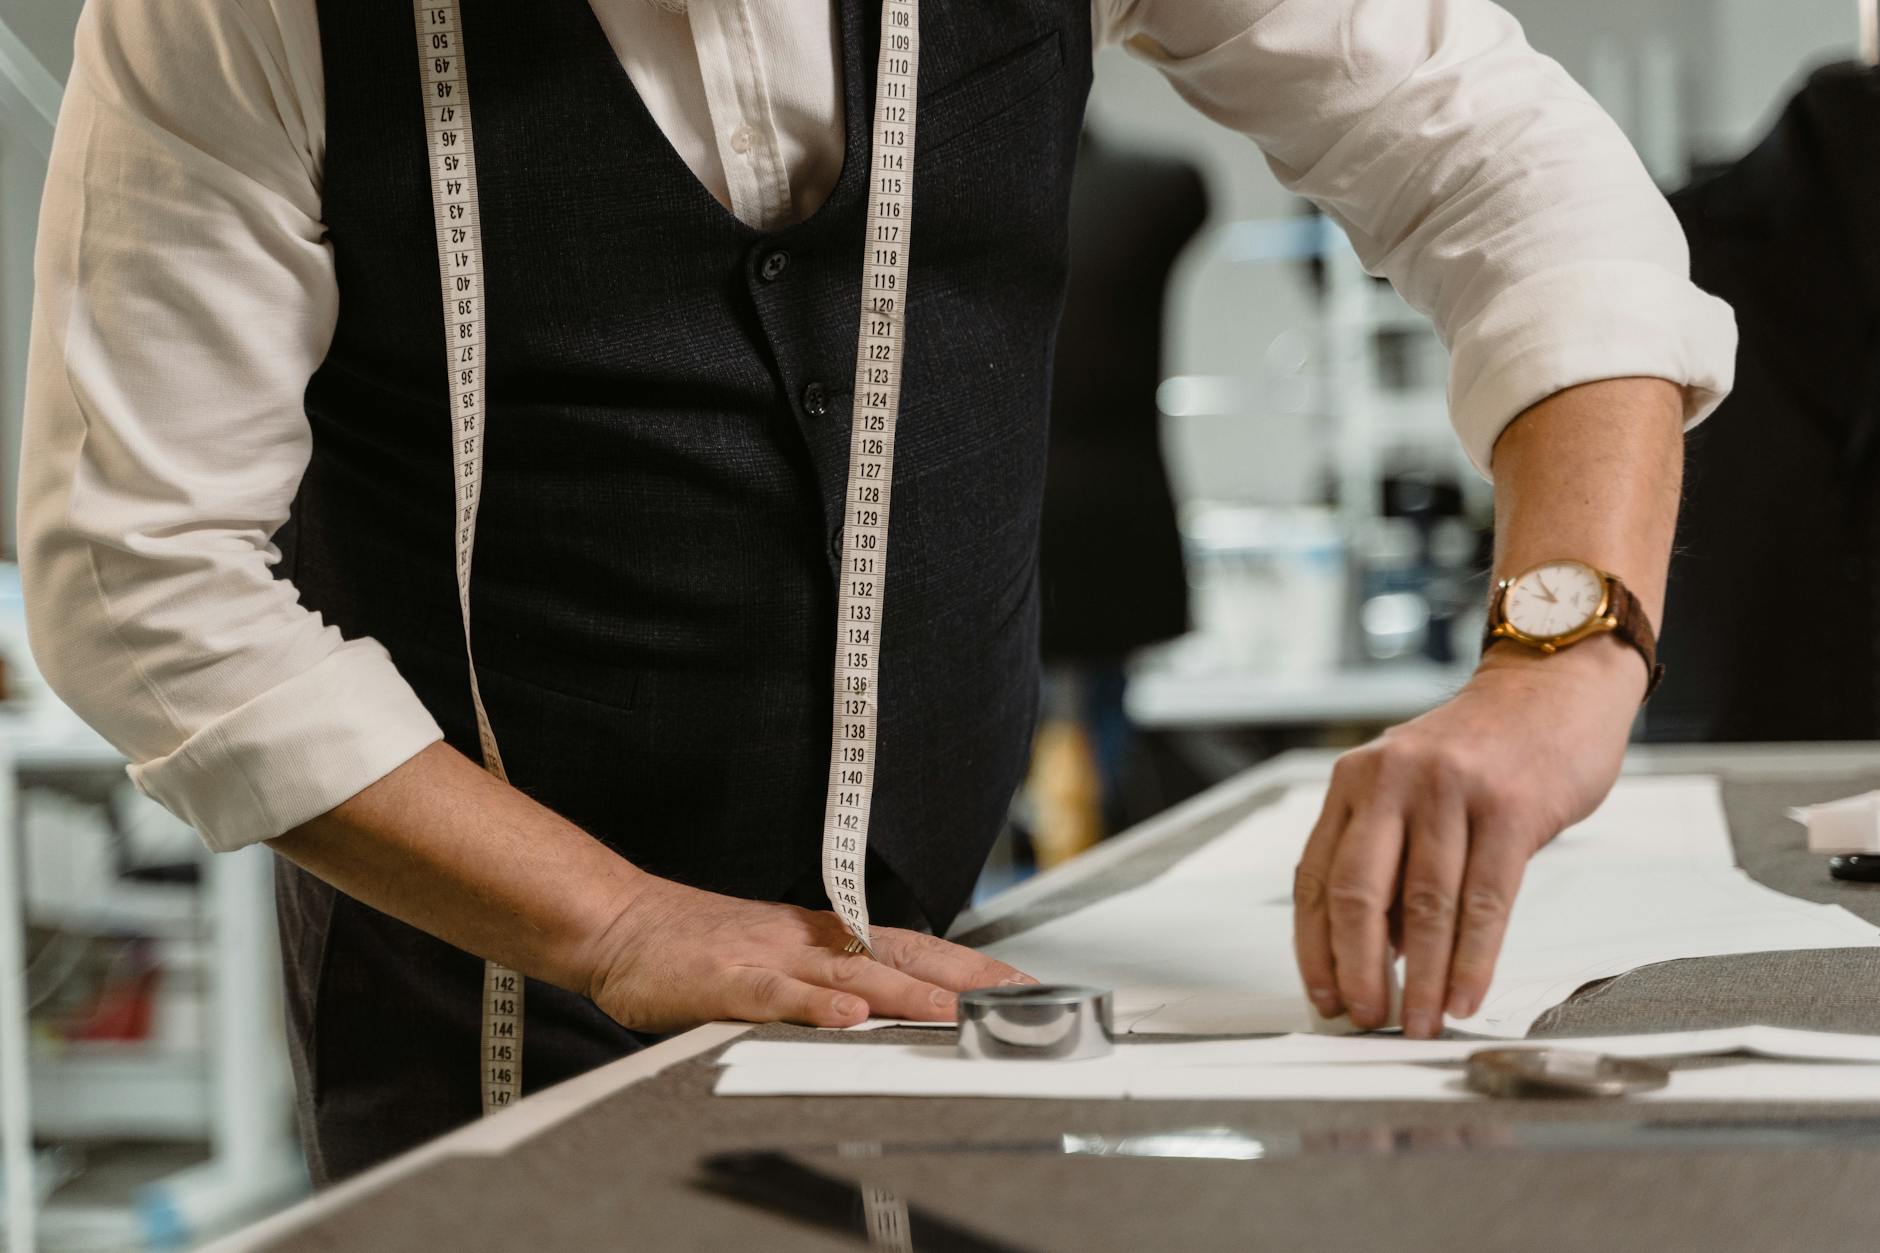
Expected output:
{"points": [[773, 266], [835, 543], [816, 400]]}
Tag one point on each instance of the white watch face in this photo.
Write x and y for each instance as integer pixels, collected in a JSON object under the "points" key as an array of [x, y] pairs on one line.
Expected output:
{"points": [[1554, 600]]}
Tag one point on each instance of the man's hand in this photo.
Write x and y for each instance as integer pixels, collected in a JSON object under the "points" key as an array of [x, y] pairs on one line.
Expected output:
{"points": [[678, 956], [444, 846], [1427, 831]]}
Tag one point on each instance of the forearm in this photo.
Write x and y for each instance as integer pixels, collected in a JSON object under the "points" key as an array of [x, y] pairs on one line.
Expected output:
{"points": [[444, 846], [1593, 473], [1428, 828]]}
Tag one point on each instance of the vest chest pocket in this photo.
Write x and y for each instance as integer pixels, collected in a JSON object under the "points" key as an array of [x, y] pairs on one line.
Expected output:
{"points": [[956, 109]]}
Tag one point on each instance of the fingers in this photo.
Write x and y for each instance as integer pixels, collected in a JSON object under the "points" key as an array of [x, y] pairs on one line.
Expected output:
{"points": [[935, 961], [759, 962], [757, 994], [1497, 862], [888, 992], [1312, 938], [815, 983], [1358, 895], [1432, 883]]}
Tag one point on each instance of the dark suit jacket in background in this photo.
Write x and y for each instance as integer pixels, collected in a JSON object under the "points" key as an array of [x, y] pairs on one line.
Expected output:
{"points": [[1773, 624], [1111, 556]]}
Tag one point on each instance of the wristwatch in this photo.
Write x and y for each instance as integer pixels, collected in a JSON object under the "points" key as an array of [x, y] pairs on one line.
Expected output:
{"points": [[1559, 603]]}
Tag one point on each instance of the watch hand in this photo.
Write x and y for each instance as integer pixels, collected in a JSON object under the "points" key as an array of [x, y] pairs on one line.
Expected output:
{"points": [[1542, 584]]}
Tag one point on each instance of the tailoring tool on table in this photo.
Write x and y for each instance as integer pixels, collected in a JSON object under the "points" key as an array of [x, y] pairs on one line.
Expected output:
{"points": [[1046, 1022], [1855, 868], [1530, 1072], [1849, 829], [880, 355]]}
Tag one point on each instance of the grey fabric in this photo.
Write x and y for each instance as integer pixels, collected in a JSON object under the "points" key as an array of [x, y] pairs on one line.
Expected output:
{"points": [[1828, 991], [622, 1173]]}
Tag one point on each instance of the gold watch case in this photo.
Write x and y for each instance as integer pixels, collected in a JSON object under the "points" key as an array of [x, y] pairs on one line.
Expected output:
{"points": [[1599, 622]]}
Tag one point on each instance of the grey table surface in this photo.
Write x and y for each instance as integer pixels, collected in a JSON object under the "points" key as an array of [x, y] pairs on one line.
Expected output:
{"points": [[612, 1161]]}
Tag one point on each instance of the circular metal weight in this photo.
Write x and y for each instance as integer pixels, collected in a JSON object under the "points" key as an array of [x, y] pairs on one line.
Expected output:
{"points": [[1035, 1023], [1547, 1072]]}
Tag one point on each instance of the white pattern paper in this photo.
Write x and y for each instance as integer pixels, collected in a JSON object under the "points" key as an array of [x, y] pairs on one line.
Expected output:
{"points": [[1206, 949]]}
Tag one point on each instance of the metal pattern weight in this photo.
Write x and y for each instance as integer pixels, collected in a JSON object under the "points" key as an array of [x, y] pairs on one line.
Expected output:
{"points": [[863, 575], [452, 151]]}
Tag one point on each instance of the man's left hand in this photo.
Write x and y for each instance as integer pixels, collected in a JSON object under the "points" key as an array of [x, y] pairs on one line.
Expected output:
{"points": [[1427, 830]]}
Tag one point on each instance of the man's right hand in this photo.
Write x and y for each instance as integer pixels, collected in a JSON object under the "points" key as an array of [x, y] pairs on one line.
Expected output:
{"points": [[677, 956]]}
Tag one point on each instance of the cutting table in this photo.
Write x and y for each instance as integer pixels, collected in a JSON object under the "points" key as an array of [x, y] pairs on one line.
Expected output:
{"points": [[611, 1160]]}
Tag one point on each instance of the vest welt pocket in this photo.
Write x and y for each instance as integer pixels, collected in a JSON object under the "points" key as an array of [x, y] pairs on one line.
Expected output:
{"points": [[954, 110]]}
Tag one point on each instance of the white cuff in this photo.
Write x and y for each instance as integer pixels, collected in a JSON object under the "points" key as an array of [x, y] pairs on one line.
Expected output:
{"points": [[1581, 324], [293, 752]]}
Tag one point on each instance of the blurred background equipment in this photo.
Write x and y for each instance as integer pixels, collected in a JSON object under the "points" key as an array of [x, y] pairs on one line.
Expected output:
{"points": [[1352, 596], [149, 1049]]}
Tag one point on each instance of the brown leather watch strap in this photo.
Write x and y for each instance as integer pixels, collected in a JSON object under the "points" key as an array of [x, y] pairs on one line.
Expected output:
{"points": [[1630, 624], [1633, 625]]}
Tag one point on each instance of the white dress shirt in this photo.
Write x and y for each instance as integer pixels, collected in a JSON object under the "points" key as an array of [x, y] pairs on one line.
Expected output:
{"points": [[186, 294]]}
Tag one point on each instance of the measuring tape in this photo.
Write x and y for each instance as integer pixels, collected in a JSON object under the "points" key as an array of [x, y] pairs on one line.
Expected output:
{"points": [[862, 581], [453, 158], [863, 575]]}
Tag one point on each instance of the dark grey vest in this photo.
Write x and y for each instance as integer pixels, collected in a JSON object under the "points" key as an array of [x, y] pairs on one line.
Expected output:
{"points": [[666, 452]]}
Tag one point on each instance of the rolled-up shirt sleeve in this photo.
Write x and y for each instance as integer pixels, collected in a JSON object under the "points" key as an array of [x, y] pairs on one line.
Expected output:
{"points": [[1472, 172], [185, 294]]}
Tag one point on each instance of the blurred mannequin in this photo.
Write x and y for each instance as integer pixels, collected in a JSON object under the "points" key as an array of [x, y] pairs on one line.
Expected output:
{"points": [[1775, 592], [1111, 550]]}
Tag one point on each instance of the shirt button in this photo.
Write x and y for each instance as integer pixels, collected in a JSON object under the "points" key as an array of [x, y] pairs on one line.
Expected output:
{"points": [[774, 265], [742, 140], [816, 400], [835, 543]]}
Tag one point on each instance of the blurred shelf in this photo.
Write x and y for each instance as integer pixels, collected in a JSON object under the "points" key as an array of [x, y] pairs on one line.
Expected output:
{"points": [[161, 911], [41, 735], [122, 1091], [1164, 699]]}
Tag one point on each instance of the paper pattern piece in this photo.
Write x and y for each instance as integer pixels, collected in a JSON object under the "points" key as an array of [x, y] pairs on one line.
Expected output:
{"points": [[1206, 948], [1822, 1066]]}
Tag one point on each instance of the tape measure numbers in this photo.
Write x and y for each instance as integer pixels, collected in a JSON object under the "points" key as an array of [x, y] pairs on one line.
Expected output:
{"points": [[863, 577], [881, 352]]}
